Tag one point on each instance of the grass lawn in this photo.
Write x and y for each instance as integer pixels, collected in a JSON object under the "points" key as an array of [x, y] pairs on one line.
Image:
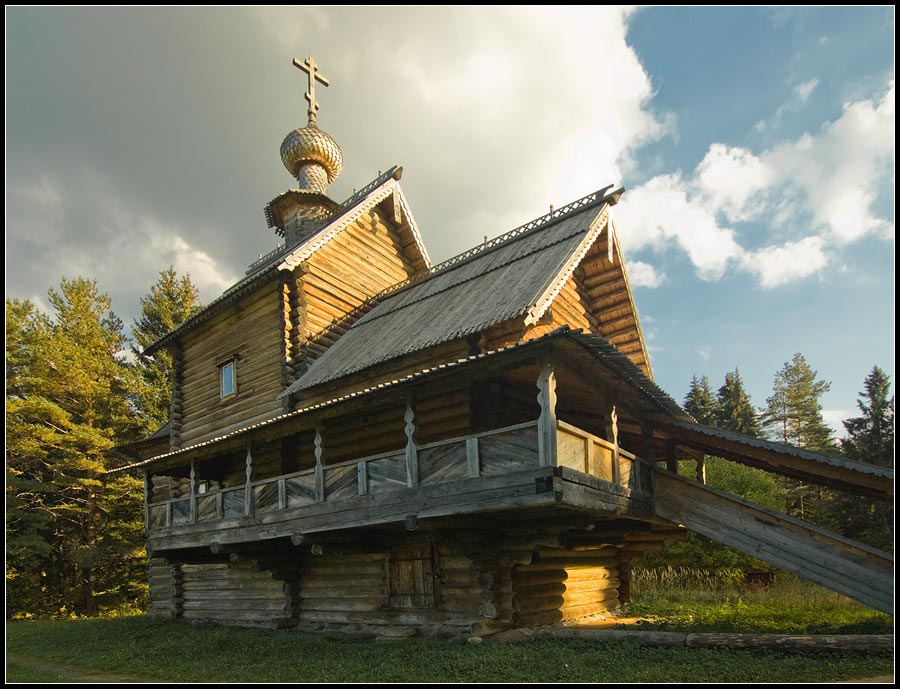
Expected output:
{"points": [[688, 600], [143, 648], [177, 651]]}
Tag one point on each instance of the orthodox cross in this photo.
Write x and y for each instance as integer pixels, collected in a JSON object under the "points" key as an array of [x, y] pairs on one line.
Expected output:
{"points": [[312, 69]]}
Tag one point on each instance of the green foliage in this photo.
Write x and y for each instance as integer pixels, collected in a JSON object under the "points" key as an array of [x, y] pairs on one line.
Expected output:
{"points": [[733, 410], [691, 599], [870, 438], [73, 543], [794, 415], [700, 403], [794, 411], [176, 651], [170, 302]]}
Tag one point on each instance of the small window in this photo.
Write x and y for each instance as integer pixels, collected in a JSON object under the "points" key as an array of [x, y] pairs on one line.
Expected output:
{"points": [[227, 379]]}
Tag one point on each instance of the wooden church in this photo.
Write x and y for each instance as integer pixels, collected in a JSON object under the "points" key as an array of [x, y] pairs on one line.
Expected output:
{"points": [[363, 441]]}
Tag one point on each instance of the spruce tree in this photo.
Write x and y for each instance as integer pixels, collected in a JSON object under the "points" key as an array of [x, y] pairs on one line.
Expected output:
{"points": [[734, 410], [870, 438], [73, 535], [700, 403], [170, 302]]}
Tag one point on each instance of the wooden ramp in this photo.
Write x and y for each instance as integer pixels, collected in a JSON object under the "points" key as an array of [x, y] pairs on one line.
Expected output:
{"points": [[825, 558]]}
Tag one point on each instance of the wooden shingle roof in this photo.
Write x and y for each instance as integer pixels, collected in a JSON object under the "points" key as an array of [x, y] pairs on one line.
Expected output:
{"points": [[503, 279]]}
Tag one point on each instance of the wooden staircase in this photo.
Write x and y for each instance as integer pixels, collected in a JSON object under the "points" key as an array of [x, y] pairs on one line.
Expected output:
{"points": [[825, 558]]}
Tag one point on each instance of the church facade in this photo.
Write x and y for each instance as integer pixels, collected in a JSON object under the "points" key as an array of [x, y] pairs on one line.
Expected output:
{"points": [[363, 441]]}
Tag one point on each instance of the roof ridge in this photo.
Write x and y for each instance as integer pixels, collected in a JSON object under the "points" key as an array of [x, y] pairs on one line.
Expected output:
{"points": [[592, 199], [391, 310]]}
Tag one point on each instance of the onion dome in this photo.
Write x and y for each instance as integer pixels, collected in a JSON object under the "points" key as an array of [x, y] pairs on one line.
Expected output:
{"points": [[312, 157]]}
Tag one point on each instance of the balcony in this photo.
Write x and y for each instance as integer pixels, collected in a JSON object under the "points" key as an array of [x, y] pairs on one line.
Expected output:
{"points": [[508, 468]]}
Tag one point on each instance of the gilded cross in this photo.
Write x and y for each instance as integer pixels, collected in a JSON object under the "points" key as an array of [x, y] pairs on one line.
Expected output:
{"points": [[312, 70]]}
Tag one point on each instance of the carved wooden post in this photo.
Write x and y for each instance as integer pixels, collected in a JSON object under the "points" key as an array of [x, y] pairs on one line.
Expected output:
{"points": [[671, 457], [148, 487], [248, 486], [649, 454], [701, 470], [412, 457], [612, 435], [473, 468], [362, 478], [319, 452], [547, 420], [193, 501]]}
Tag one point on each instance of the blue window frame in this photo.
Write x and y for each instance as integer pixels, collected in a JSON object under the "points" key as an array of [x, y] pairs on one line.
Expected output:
{"points": [[227, 379]]}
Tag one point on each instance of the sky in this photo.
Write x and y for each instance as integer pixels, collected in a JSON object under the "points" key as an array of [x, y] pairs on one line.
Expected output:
{"points": [[756, 146]]}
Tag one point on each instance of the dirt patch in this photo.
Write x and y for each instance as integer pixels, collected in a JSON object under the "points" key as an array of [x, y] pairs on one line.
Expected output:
{"points": [[77, 674]]}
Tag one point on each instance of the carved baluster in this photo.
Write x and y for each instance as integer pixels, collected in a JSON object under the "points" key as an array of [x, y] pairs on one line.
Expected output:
{"points": [[547, 420], [319, 453], [148, 488], [193, 502], [612, 435], [412, 458], [248, 486]]}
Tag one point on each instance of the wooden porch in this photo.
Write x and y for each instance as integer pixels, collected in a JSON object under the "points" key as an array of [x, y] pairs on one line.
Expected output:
{"points": [[524, 465]]}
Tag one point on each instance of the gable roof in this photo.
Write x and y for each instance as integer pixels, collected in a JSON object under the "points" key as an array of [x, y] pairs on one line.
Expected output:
{"points": [[516, 274], [267, 267]]}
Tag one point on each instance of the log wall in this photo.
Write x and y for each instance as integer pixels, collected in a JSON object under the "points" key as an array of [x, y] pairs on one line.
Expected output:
{"points": [[252, 330], [236, 593], [563, 584], [456, 581], [165, 588], [340, 277]]}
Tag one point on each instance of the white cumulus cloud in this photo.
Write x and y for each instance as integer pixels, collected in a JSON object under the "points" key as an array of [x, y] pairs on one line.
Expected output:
{"points": [[807, 197], [777, 265], [641, 274]]}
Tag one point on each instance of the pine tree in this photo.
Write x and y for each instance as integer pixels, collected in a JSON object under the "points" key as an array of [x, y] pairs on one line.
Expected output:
{"points": [[794, 413], [73, 537], [734, 410], [870, 438], [170, 302], [700, 403]]}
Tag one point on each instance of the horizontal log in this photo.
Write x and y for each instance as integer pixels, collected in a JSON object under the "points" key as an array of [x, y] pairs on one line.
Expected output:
{"points": [[535, 619], [205, 568], [238, 608], [570, 565], [237, 617], [538, 578], [344, 604], [532, 605], [309, 584], [577, 555], [576, 611], [541, 590], [578, 598]]}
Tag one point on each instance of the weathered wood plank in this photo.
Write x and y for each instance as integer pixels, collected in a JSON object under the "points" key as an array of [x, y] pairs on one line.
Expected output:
{"points": [[442, 463], [824, 558], [505, 452]]}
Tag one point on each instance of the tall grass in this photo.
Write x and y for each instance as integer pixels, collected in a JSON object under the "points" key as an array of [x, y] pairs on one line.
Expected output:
{"points": [[692, 599]]}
